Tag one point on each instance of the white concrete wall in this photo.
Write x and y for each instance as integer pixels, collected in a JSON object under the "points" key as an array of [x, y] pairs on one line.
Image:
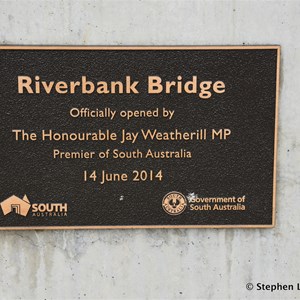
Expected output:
{"points": [[163, 264]]}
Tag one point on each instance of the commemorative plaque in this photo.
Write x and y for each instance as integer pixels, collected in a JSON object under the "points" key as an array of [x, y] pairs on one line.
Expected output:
{"points": [[138, 137]]}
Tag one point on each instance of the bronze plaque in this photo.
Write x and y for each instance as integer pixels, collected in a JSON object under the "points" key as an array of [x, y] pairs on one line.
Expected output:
{"points": [[138, 137]]}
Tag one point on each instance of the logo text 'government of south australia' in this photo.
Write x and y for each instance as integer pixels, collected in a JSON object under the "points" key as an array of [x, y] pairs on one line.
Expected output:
{"points": [[174, 203], [17, 205]]}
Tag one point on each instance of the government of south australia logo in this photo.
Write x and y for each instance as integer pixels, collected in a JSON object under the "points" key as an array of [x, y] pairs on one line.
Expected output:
{"points": [[174, 203], [17, 205]]}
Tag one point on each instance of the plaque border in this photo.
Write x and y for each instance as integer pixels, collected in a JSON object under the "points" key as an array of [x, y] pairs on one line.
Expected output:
{"points": [[149, 48]]}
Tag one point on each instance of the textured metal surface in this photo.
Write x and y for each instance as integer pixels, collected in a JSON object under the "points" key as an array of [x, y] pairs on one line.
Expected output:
{"points": [[240, 165], [164, 264]]}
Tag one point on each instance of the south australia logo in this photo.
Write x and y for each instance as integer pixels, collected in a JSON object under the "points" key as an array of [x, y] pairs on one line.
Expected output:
{"points": [[22, 206], [17, 205]]}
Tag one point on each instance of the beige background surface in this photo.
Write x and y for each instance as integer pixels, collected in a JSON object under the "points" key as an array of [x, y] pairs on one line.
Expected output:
{"points": [[163, 264]]}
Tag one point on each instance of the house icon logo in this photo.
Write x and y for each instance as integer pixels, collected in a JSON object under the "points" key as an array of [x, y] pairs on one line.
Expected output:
{"points": [[17, 205]]}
